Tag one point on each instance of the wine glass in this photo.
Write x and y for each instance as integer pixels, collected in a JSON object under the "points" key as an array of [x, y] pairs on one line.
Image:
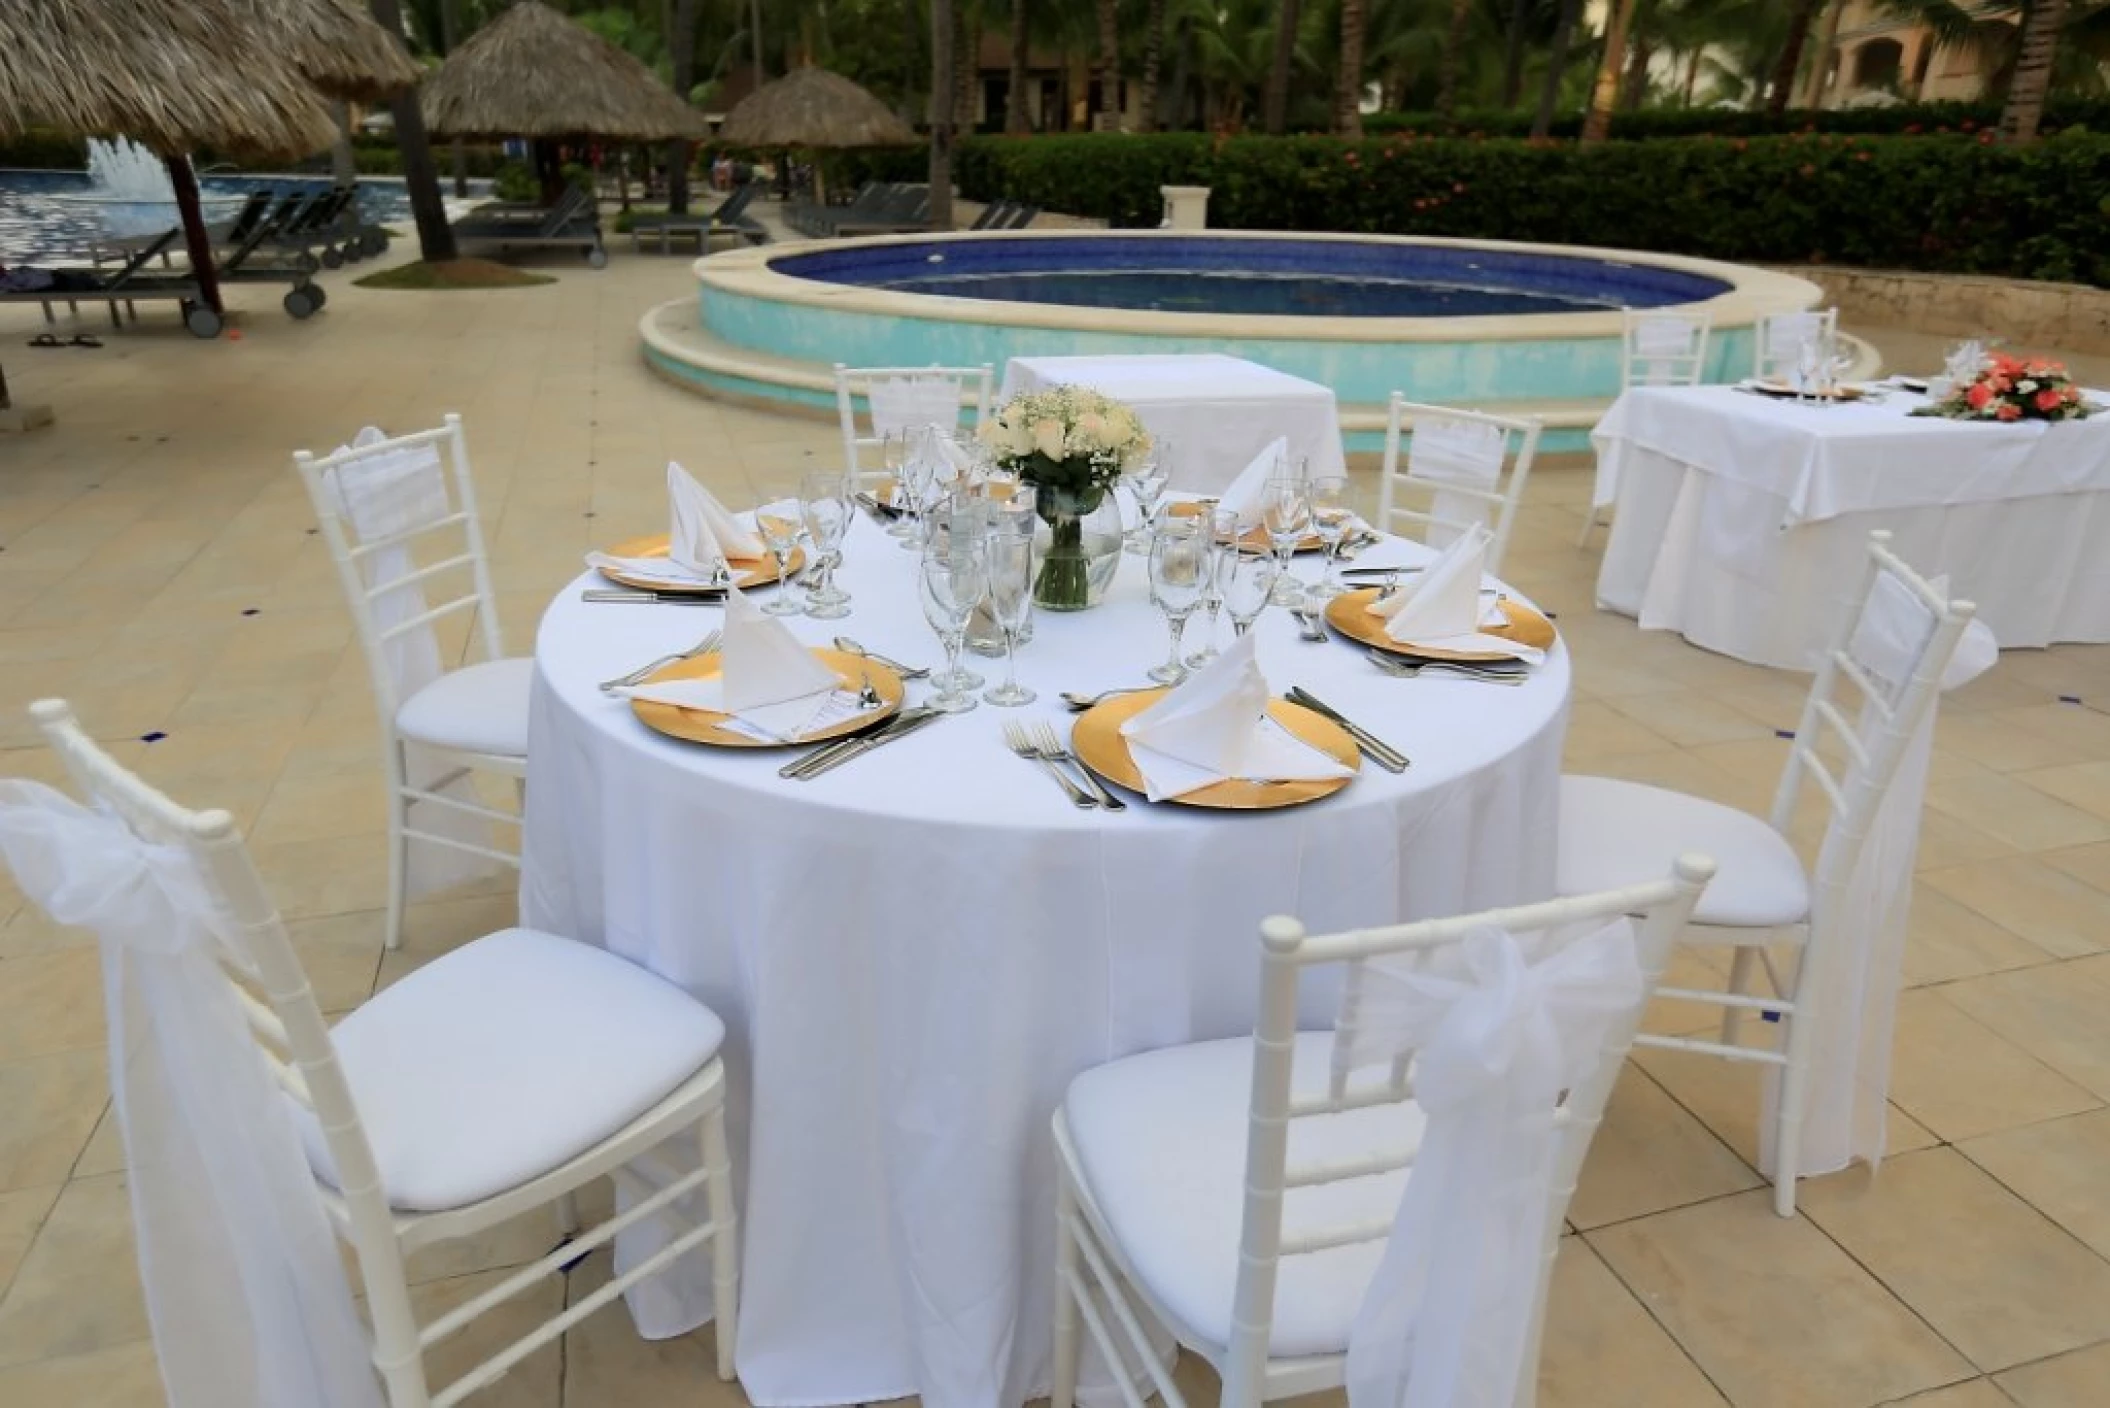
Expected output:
{"points": [[1332, 515], [1809, 359], [958, 522], [1222, 527], [894, 448], [1009, 557], [952, 583], [824, 501], [780, 518], [1285, 512], [1179, 557], [919, 470], [1146, 485], [1246, 580]]}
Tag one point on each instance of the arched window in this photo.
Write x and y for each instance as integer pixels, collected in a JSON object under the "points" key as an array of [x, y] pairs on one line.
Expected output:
{"points": [[1877, 64]]}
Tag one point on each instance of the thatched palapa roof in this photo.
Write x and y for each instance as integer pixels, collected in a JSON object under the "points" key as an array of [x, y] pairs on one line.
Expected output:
{"points": [[533, 73], [338, 45], [811, 107], [171, 75]]}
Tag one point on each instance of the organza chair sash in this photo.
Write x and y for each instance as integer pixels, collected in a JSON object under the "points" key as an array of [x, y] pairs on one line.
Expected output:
{"points": [[245, 1293], [1495, 1039], [902, 403], [1463, 452], [1662, 348]]}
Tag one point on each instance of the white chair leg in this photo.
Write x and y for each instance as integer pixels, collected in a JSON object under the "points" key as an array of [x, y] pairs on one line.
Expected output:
{"points": [[1740, 984], [1064, 1391], [725, 1240], [398, 865], [568, 1213], [1794, 1095], [1590, 520]]}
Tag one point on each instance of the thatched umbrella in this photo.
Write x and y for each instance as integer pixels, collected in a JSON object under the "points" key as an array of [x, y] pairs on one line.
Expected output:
{"points": [[814, 109], [338, 45], [533, 73]]}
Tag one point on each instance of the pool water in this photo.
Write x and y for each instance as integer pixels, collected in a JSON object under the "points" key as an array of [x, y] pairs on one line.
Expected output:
{"points": [[1315, 278], [34, 225]]}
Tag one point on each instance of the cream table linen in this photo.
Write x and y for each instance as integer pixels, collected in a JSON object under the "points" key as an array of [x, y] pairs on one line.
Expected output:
{"points": [[1218, 412], [1742, 521], [915, 954]]}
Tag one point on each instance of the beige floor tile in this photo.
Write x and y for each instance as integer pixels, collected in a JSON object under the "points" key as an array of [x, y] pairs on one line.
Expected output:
{"points": [[1972, 1393], [440, 926], [1596, 730], [536, 1382], [122, 1377], [1651, 1154], [2073, 1380], [1602, 1349], [1987, 739], [607, 1364], [1725, 1096], [2088, 864], [48, 1108], [1689, 718], [2054, 1012], [2086, 786], [340, 954], [2084, 732], [78, 1288], [1996, 1278], [1960, 1078], [2059, 1168], [2017, 813], [1948, 940], [22, 1212], [105, 1150], [1772, 1311], [2031, 898], [50, 1002], [335, 875]]}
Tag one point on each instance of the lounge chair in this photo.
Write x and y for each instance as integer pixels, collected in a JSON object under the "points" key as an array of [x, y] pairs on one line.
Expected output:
{"points": [[123, 285], [730, 217], [871, 202], [573, 222], [993, 216], [906, 212], [1021, 217]]}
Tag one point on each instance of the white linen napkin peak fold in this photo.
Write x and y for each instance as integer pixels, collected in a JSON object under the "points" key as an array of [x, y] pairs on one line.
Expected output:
{"points": [[1215, 726]]}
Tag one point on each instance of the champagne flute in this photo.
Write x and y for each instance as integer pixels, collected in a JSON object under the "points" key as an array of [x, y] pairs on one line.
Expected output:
{"points": [[1221, 526], [1146, 485], [1332, 515], [951, 584], [960, 522], [779, 518], [1009, 557], [894, 448], [1246, 580], [918, 476], [824, 500], [1179, 555], [1285, 511]]}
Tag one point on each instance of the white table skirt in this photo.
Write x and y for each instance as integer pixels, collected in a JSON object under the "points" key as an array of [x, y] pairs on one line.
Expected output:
{"points": [[916, 953], [1218, 412], [1741, 523]]}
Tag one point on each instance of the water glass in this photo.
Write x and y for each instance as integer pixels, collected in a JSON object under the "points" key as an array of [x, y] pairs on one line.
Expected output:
{"points": [[779, 519], [1285, 512], [894, 448], [1009, 557], [918, 483], [824, 502], [1246, 579], [1332, 504], [1222, 528], [951, 584], [1146, 485], [1179, 558], [958, 523]]}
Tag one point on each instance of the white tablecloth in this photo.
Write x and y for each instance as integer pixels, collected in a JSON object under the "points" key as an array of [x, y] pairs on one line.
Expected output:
{"points": [[1217, 411], [916, 953], [1741, 520]]}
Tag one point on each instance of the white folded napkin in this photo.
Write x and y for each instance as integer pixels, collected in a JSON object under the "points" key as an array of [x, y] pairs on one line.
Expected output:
{"points": [[1443, 606], [1243, 496], [766, 679], [1215, 726], [703, 540]]}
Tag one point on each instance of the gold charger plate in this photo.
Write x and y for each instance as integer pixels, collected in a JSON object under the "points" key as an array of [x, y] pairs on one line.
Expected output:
{"points": [[1255, 537], [706, 726], [745, 573], [1097, 741], [1350, 615]]}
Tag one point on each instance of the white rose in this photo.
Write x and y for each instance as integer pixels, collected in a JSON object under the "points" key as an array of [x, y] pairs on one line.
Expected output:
{"points": [[2025, 386], [1018, 440], [1092, 430], [1047, 438]]}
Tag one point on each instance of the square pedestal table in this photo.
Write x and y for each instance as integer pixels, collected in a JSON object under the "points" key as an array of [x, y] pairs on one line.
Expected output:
{"points": [[1741, 520], [1218, 412]]}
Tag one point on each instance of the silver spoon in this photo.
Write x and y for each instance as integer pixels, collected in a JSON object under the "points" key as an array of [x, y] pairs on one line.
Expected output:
{"points": [[1086, 701], [703, 647], [907, 672]]}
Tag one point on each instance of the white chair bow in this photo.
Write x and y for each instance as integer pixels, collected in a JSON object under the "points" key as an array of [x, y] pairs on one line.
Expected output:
{"points": [[245, 1294], [1496, 1039]]}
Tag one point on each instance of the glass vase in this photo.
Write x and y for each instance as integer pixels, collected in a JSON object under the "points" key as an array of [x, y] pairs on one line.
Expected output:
{"points": [[1081, 549]]}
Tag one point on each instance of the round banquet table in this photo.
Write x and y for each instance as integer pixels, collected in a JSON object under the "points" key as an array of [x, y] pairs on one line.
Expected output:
{"points": [[915, 953]]}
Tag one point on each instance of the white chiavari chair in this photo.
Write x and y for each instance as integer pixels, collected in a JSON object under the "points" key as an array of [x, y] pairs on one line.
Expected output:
{"points": [[1257, 1198], [497, 1079], [1780, 337], [903, 398], [381, 504], [1892, 653], [1465, 467], [1658, 349]]}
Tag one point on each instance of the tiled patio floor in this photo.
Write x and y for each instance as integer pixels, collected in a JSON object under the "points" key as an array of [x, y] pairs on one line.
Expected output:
{"points": [[157, 566]]}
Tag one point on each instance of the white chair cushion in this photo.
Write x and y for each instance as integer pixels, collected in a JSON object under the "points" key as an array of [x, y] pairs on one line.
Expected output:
{"points": [[1615, 833], [480, 708], [1160, 1140], [497, 1063]]}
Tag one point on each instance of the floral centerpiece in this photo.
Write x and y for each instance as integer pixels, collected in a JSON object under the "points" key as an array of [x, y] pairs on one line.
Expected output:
{"points": [[2011, 389], [1072, 444]]}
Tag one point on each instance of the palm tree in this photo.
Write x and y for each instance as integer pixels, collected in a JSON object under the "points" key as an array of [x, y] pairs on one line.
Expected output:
{"points": [[1597, 123], [1348, 88], [1275, 105], [1556, 64], [1513, 53], [1015, 100], [421, 180], [1800, 15], [681, 43], [2033, 71], [941, 109], [1453, 53], [1153, 54], [1109, 74]]}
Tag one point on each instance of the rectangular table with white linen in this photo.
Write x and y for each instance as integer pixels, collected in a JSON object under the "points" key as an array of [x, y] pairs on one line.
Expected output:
{"points": [[1217, 412], [1741, 520]]}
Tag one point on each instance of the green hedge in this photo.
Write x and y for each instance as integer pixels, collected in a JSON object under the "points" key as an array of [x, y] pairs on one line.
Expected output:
{"points": [[1959, 204], [1905, 119]]}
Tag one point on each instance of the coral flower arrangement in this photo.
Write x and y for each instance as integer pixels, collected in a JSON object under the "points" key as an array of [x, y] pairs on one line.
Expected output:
{"points": [[2015, 388]]}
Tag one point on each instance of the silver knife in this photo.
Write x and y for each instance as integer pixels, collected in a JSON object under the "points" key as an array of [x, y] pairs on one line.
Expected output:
{"points": [[808, 759], [859, 747], [642, 598], [1374, 748]]}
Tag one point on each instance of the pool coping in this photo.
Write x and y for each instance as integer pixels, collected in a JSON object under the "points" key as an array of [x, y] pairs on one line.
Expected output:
{"points": [[1753, 292]]}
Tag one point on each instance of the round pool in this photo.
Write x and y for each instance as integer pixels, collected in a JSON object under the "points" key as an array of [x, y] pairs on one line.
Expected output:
{"points": [[1531, 329]]}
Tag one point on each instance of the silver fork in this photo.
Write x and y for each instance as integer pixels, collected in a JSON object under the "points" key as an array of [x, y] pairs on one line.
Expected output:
{"points": [[1052, 751], [1408, 669], [637, 676], [1019, 743]]}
